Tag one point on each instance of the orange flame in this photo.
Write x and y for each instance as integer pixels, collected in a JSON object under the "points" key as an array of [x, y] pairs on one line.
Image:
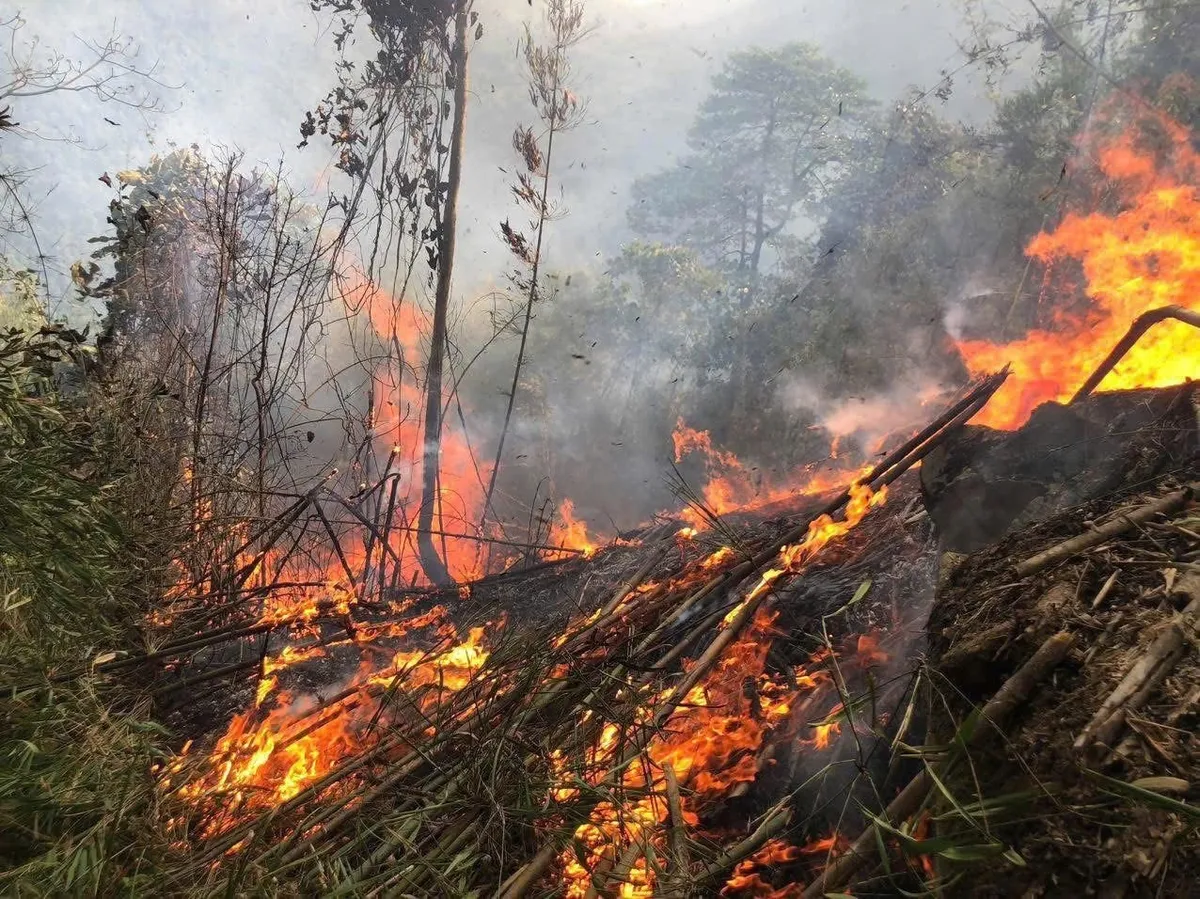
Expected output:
{"points": [[570, 532], [717, 738], [1143, 257], [732, 487]]}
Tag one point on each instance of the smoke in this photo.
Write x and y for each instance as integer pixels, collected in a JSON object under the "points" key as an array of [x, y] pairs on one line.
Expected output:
{"points": [[643, 72], [862, 422]]}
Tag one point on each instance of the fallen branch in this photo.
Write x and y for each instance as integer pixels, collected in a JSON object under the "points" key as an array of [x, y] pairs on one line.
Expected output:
{"points": [[1140, 326], [1145, 676], [774, 821], [1125, 520]]}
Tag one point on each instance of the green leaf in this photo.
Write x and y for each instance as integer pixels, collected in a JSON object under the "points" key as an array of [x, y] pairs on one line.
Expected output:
{"points": [[973, 852], [1148, 797]]}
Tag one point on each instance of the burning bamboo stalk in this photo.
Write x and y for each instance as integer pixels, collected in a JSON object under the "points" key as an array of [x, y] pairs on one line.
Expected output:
{"points": [[678, 857], [603, 881], [776, 819]]}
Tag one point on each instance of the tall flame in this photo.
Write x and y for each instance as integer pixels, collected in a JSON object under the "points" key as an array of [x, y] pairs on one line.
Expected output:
{"points": [[1144, 256]]}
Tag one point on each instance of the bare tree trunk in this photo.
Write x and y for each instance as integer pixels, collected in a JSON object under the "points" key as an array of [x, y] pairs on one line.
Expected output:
{"points": [[225, 250], [431, 563]]}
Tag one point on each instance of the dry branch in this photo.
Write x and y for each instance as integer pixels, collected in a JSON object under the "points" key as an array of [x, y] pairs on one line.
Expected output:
{"points": [[1146, 674], [1140, 326], [1125, 520]]}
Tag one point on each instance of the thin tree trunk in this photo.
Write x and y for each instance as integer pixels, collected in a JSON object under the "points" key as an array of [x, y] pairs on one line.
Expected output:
{"points": [[432, 564], [533, 286], [760, 230], [225, 251]]}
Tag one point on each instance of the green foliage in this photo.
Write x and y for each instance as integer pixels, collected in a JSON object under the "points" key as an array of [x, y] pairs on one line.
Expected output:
{"points": [[20, 305], [779, 126], [76, 795], [75, 788], [58, 535]]}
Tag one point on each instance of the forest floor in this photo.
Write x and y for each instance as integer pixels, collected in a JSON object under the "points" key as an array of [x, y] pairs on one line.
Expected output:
{"points": [[1103, 809]]}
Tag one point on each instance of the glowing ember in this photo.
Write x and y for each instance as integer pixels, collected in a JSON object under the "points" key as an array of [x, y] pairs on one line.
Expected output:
{"points": [[867, 652], [1145, 256]]}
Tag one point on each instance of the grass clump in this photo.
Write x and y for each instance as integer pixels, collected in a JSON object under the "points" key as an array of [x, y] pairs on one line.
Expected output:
{"points": [[76, 751]]}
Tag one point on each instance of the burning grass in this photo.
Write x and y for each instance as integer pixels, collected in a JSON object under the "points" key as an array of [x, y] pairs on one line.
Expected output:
{"points": [[541, 754]]}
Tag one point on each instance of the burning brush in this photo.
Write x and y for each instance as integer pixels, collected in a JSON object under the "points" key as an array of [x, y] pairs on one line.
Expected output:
{"points": [[441, 754]]}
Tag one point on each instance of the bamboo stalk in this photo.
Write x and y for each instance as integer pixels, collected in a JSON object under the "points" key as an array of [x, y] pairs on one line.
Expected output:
{"points": [[679, 858], [1125, 520], [1016, 690], [1141, 680], [777, 818]]}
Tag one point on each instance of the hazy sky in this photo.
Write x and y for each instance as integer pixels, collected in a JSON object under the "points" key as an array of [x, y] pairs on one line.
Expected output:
{"points": [[245, 72]]}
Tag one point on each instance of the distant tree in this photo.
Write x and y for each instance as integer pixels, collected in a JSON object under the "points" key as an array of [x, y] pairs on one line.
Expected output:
{"points": [[110, 71], [778, 128]]}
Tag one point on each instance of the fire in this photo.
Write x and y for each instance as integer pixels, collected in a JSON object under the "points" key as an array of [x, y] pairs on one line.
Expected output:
{"points": [[822, 734], [718, 739], [397, 401], [747, 879], [265, 759], [733, 487], [570, 532], [867, 652], [1142, 257]]}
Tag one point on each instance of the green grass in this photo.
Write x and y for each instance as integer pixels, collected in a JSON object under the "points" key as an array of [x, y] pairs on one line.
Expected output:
{"points": [[77, 806]]}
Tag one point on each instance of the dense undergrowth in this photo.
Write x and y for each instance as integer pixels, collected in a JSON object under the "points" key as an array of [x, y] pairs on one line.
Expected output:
{"points": [[77, 809]]}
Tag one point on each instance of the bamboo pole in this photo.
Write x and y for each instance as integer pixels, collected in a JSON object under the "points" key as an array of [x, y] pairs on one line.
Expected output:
{"points": [[1016, 690], [1125, 520]]}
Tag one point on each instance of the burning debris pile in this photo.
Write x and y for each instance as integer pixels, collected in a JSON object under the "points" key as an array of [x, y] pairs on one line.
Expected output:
{"points": [[703, 722], [721, 711]]}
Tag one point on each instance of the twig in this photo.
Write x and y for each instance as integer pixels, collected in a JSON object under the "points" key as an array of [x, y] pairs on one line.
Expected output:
{"points": [[1104, 591]]}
